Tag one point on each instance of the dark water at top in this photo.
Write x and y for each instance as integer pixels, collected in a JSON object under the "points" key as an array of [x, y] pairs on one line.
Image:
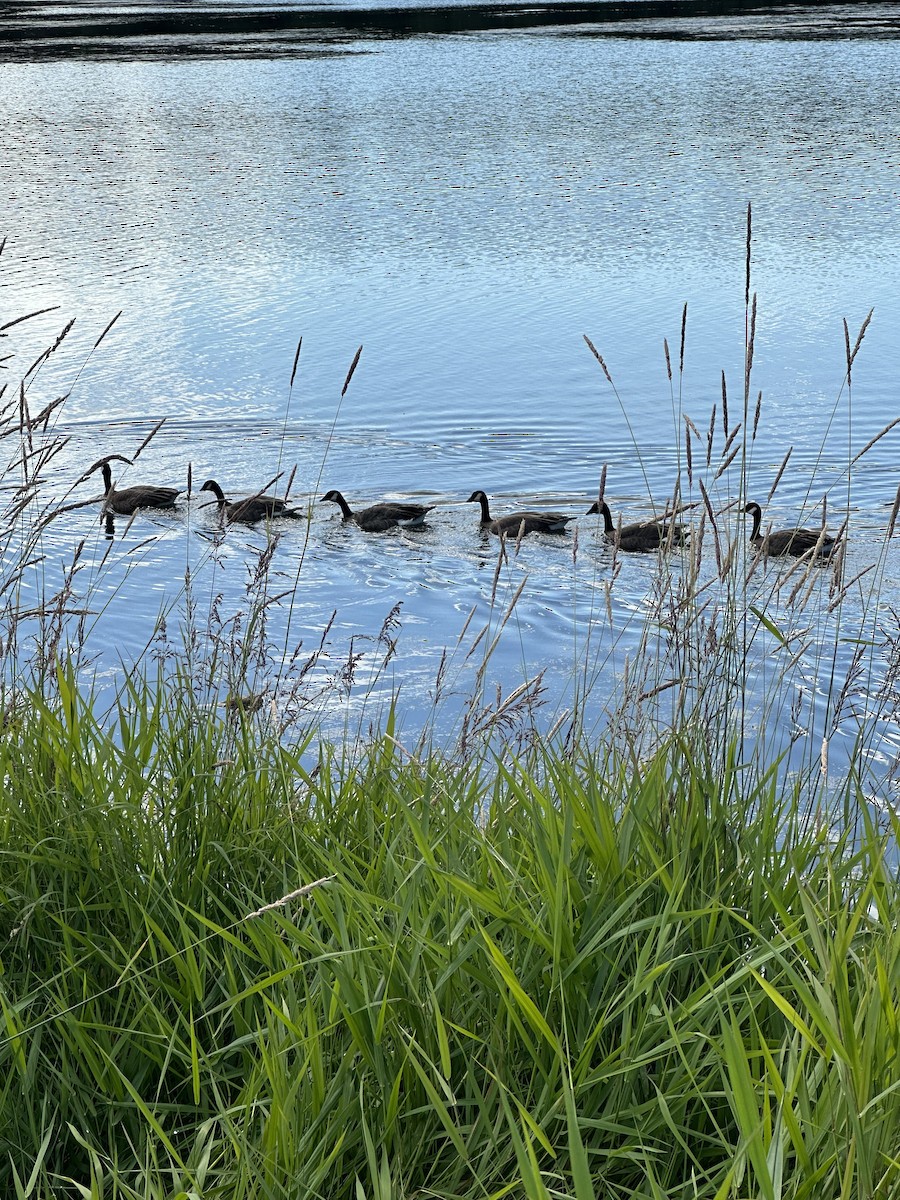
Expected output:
{"points": [[466, 206]]}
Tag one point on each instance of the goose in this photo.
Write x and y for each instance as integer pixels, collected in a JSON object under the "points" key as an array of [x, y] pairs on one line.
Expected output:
{"points": [[788, 541], [126, 501], [640, 535], [387, 514], [520, 523], [252, 509]]}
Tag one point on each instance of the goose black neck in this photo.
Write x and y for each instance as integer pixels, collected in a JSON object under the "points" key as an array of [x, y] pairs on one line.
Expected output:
{"points": [[603, 510], [485, 508], [212, 486], [344, 506], [107, 478], [755, 512]]}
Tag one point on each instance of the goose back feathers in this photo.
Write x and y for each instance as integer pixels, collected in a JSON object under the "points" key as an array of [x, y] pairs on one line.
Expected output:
{"points": [[795, 542], [252, 509], [126, 501], [520, 523]]}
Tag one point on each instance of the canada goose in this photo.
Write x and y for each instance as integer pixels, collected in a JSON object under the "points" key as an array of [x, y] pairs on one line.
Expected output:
{"points": [[640, 535], [126, 501], [520, 523], [252, 509], [387, 514], [788, 541]]}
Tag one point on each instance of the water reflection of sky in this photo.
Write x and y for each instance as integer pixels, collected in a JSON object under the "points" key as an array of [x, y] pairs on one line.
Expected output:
{"points": [[466, 208]]}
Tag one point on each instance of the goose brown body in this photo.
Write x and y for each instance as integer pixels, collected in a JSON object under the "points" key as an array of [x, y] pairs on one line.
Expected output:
{"points": [[639, 536], [520, 523], [796, 542], [387, 514], [126, 501], [250, 510]]}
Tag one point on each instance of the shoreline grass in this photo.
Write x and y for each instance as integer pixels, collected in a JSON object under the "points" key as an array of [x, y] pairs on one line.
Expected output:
{"points": [[560, 975]]}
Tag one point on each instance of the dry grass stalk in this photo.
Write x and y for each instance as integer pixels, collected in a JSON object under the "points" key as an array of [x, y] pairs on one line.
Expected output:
{"points": [[748, 367], [558, 724], [698, 545], [726, 462], [802, 650], [148, 439], [851, 354], [295, 895], [38, 312], [687, 454], [756, 415], [599, 357], [849, 687], [296, 361], [45, 354], [847, 356], [466, 624], [711, 433], [862, 333], [439, 677], [779, 473], [859, 339], [346, 676], [755, 564], [728, 561], [350, 372], [877, 438], [106, 330], [601, 487], [668, 359], [812, 582], [136, 549], [724, 407], [512, 604], [715, 528], [502, 558], [24, 419], [614, 562], [661, 687], [840, 590], [478, 638], [290, 480], [45, 520], [731, 437], [527, 691], [893, 517], [838, 557], [809, 564], [683, 337]]}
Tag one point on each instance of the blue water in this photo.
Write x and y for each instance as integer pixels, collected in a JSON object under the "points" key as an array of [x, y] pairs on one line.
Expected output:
{"points": [[465, 207]]}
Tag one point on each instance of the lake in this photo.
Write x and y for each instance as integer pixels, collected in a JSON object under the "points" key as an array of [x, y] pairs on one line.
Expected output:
{"points": [[465, 201]]}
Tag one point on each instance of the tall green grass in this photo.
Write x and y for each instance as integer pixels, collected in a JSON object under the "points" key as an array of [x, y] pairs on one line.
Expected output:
{"points": [[565, 975]]}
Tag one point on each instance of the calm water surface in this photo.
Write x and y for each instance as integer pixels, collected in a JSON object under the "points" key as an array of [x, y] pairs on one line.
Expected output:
{"points": [[466, 207]]}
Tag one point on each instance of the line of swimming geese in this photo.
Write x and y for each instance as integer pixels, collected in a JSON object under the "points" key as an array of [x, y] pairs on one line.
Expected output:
{"points": [[638, 536]]}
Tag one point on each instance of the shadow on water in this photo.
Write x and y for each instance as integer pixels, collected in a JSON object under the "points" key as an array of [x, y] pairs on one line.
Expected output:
{"points": [[95, 30]]}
